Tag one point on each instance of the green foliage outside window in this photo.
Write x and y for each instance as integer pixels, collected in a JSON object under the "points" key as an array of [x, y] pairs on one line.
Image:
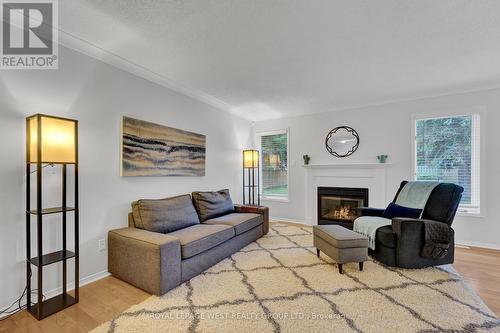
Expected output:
{"points": [[275, 165], [444, 151]]}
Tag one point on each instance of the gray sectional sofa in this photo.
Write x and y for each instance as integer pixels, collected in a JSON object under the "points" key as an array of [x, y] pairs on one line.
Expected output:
{"points": [[171, 240]]}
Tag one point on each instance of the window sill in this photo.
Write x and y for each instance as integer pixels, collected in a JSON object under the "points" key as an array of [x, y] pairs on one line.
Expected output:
{"points": [[275, 199], [467, 211], [470, 214]]}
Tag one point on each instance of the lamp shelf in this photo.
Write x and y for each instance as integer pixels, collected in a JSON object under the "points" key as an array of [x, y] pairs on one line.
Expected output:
{"points": [[53, 210], [53, 305], [52, 258]]}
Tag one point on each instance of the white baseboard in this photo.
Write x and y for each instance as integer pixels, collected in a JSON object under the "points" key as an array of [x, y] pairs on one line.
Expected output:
{"points": [[51, 293], [83, 281], [281, 219], [478, 244]]}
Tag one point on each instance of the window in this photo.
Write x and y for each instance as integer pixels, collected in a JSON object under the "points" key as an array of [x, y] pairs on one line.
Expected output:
{"points": [[447, 149], [274, 164]]}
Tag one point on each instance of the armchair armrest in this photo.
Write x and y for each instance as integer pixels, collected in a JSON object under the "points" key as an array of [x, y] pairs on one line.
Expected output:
{"points": [[405, 227], [367, 211], [262, 210], [148, 260], [410, 240]]}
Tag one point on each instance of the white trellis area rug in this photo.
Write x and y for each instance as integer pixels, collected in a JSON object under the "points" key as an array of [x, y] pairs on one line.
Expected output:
{"points": [[277, 284]]}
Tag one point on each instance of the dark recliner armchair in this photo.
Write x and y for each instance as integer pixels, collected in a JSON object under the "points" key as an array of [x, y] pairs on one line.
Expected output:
{"points": [[401, 244]]}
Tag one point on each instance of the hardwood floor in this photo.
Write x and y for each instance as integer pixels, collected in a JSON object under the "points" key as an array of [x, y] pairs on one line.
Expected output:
{"points": [[99, 302], [481, 269], [102, 300]]}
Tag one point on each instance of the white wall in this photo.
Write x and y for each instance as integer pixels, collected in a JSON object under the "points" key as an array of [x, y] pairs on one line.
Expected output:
{"points": [[98, 95], [388, 129]]}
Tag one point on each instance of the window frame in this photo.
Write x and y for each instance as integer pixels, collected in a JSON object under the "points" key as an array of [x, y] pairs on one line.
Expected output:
{"points": [[475, 208], [258, 146]]}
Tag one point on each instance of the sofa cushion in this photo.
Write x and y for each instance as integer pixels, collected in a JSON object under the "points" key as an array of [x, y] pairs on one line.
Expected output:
{"points": [[241, 222], [201, 237], [165, 215], [212, 204], [386, 237]]}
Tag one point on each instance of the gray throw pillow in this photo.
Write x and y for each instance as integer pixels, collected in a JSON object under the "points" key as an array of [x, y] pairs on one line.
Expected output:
{"points": [[212, 204], [166, 215], [136, 215]]}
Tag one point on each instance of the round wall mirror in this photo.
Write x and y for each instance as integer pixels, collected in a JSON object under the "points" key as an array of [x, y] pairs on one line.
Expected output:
{"points": [[342, 141]]}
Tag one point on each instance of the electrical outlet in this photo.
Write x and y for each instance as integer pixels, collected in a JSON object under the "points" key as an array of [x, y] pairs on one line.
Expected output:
{"points": [[102, 244]]}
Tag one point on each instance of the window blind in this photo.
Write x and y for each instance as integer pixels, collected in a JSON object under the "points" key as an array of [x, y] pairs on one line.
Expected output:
{"points": [[447, 150], [274, 152]]}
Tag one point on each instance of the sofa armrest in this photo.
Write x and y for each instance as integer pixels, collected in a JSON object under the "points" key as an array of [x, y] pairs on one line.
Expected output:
{"points": [[148, 260], [262, 210], [367, 211]]}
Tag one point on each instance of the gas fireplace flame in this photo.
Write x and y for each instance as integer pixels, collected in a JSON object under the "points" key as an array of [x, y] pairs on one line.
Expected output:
{"points": [[342, 213]]}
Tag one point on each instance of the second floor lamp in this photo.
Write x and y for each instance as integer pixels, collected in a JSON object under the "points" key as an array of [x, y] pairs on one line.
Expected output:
{"points": [[251, 177]]}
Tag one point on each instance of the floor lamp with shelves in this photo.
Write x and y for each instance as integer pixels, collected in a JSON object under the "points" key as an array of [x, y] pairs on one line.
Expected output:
{"points": [[50, 141]]}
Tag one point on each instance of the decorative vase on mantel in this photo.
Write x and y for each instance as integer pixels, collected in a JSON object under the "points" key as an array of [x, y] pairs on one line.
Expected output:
{"points": [[382, 158]]}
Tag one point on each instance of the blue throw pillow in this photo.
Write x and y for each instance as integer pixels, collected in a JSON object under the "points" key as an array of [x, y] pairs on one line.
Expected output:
{"points": [[394, 210]]}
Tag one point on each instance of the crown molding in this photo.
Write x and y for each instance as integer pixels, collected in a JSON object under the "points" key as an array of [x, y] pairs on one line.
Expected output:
{"points": [[94, 51]]}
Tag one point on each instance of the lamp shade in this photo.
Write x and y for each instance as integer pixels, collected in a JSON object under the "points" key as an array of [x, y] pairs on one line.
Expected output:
{"points": [[52, 139], [250, 158]]}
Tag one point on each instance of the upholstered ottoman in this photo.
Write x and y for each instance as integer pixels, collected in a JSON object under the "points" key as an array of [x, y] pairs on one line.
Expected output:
{"points": [[341, 244]]}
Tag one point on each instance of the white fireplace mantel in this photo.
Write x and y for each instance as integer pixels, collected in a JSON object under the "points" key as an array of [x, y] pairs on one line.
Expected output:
{"points": [[348, 166], [361, 175]]}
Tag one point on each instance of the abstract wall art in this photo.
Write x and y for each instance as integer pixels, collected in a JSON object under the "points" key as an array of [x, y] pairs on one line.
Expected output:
{"points": [[150, 149]]}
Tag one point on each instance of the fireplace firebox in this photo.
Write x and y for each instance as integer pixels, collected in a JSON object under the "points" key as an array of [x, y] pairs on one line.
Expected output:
{"points": [[340, 205]]}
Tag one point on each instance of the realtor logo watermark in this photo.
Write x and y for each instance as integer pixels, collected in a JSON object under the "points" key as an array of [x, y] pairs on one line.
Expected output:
{"points": [[29, 34]]}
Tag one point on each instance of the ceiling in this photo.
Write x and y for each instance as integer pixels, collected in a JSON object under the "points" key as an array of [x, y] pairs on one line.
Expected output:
{"points": [[264, 59]]}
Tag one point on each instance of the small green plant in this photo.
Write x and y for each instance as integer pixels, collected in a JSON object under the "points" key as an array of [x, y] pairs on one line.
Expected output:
{"points": [[306, 159]]}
